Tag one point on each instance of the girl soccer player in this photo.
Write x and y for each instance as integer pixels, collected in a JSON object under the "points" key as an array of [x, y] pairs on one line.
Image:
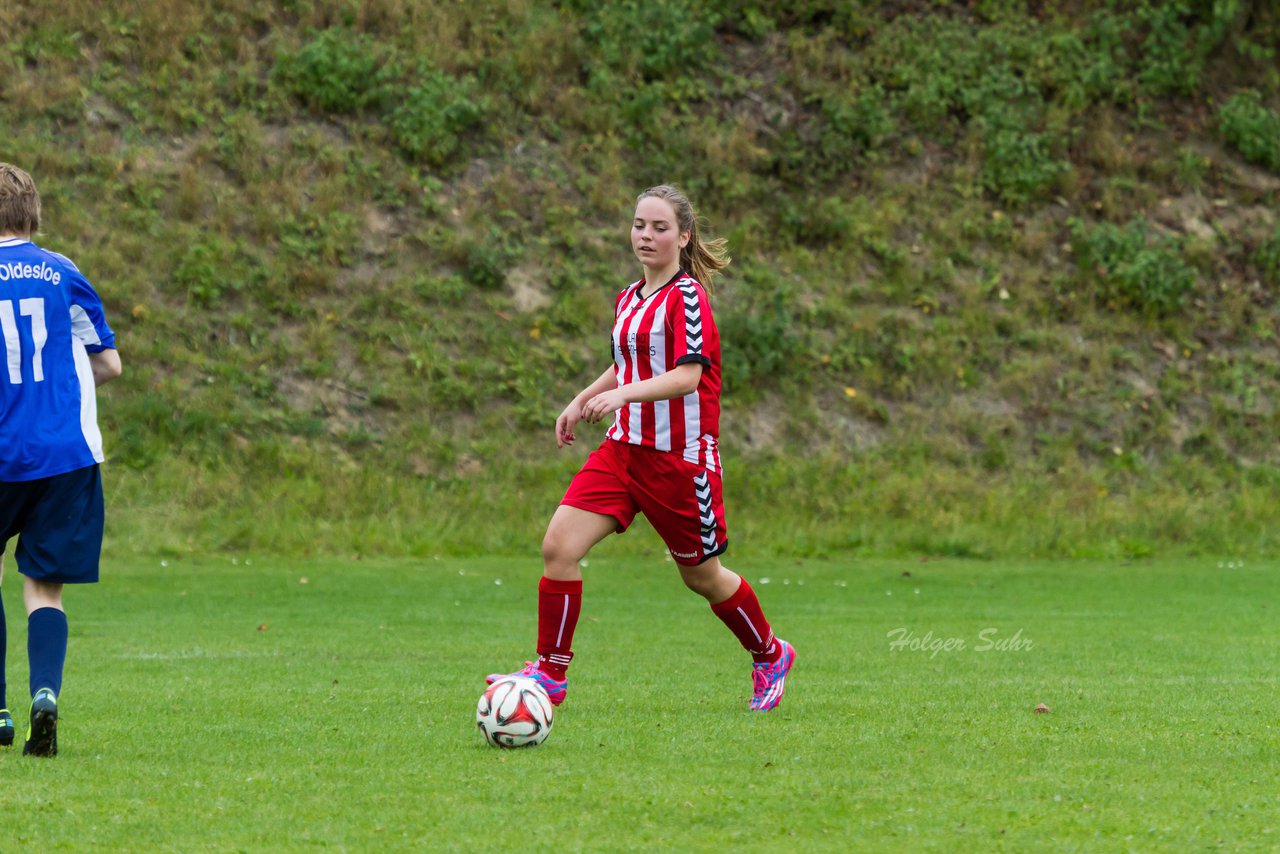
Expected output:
{"points": [[660, 457]]}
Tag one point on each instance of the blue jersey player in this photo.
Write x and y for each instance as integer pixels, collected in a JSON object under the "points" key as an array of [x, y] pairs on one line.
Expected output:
{"points": [[55, 349]]}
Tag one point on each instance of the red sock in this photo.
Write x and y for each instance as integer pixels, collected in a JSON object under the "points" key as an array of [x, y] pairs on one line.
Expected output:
{"points": [[741, 613], [559, 604]]}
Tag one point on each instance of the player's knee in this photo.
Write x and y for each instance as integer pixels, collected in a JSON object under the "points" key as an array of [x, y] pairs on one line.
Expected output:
{"points": [[40, 594], [697, 579], [556, 548]]}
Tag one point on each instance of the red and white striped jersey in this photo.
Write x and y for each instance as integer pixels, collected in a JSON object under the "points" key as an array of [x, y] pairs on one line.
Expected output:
{"points": [[651, 335]]}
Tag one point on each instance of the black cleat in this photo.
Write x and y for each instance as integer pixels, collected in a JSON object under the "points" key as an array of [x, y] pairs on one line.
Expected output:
{"points": [[42, 736], [6, 728]]}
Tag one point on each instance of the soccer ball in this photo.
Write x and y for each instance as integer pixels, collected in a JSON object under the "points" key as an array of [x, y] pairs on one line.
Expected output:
{"points": [[515, 711]]}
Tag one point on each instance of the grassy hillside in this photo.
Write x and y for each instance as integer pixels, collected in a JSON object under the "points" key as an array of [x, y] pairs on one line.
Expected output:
{"points": [[1005, 273]]}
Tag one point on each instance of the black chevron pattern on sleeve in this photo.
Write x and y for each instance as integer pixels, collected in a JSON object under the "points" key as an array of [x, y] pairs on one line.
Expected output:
{"points": [[692, 319]]}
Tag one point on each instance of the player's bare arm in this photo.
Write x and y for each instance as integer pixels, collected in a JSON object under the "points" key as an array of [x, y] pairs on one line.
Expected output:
{"points": [[676, 383], [572, 413], [105, 365]]}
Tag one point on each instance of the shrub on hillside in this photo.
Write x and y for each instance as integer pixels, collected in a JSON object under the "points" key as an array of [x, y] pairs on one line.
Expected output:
{"points": [[946, 77], [652, 40], [760, 330], [337, 71], [485, 265], [201, 270], [854, 122], [1252, 128], [1131, 267], [1180, 36], [1171, 59], [1017, 165], [435, 116]]}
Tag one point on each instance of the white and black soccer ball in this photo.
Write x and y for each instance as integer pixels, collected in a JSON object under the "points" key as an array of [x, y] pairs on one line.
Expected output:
{"points": [[515, 711]]}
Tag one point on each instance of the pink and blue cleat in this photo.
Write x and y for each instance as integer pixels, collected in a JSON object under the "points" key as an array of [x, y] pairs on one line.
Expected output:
{"points": [[769, 680], [555, 688]]}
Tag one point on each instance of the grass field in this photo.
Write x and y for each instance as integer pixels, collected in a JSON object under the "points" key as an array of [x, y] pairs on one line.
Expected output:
{"points": [[279, 704]]}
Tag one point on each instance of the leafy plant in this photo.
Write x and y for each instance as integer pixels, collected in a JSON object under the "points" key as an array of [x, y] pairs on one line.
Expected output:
{"points": [[1171, 60], [852, 124], [1132, 267], [203, 271], [1018, 164], [337, 71], [1180, 36], [435, 116], [829, 221], [484, 265], [761, 337], [326, 237], [650, 39], [1252, 128]]}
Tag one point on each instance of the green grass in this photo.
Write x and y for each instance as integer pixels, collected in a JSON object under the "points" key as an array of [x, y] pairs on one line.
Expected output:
{"points": [[931, 502], [268, 704]]}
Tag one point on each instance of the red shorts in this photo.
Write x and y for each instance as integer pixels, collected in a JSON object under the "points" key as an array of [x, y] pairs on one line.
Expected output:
{"points": [[684, 502]]}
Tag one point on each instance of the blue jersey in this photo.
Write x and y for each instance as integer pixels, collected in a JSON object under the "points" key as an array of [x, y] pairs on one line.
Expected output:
{"points": [[50, 320]]}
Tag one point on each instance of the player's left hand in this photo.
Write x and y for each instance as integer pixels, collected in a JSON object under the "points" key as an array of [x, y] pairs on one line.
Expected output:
{"points": [[604, 403]]}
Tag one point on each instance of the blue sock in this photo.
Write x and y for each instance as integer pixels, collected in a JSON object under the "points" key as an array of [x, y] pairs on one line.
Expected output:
{"points": [[47, 648], [4, 647]]}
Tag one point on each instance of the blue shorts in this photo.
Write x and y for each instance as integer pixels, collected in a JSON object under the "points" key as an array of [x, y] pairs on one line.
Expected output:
{"points": [[58, 521]]}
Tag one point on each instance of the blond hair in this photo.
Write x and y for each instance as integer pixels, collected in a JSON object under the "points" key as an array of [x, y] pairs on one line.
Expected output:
{"points": [[19, 202], [702, 259]]}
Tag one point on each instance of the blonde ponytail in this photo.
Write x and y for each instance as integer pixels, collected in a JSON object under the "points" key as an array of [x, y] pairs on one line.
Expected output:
{"points": [[701, 259]]}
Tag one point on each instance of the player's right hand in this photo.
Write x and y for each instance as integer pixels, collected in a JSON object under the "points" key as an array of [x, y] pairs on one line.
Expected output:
{"points": [[565, 424]]}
